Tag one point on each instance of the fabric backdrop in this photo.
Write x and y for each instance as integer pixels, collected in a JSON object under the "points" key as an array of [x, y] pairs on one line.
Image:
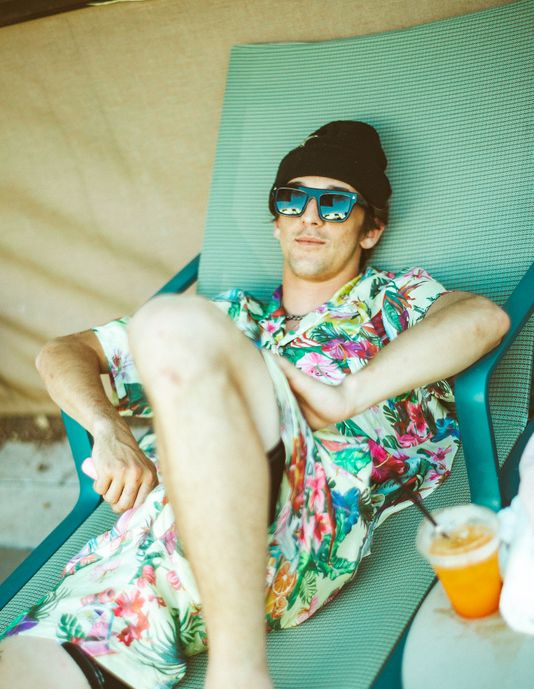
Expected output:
{"points": [[109, 123]]}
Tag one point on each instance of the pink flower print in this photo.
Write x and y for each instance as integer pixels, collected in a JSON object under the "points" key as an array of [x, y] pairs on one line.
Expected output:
{"points": [[335, 445], [148, 573], [270, 326], [340, 348], [147, 576], [129, 607], [378, 453], [101, 628], [322, 527], [365, 349], [95, 648], [432, 476], [318, 366], [133, 631], [408, 440], [105, 596], [309, 610], [386, 466], [418, 422], [440, 455], [120, 363], [317, 484], [77, 563], [124, 519], [169, 539], [343, 349], [174, 581], [314, 529], [107, 567], [159, 600]]}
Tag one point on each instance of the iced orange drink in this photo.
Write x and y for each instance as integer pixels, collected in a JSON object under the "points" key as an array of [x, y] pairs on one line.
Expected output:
{"points": [[463, 552]]}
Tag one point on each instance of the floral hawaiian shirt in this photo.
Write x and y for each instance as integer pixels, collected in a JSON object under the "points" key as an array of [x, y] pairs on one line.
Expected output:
{"points": [[129, 597]]}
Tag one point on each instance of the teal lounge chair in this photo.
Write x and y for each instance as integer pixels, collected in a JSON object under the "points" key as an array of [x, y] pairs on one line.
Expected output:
{"points": [[451, 101]]}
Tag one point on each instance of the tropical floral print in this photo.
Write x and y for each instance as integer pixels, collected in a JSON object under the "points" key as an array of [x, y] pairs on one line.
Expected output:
{"points": [[129, 598]]}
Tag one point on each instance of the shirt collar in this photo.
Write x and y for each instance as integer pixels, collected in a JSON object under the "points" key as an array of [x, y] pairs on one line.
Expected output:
{"points": [[275, 316]]}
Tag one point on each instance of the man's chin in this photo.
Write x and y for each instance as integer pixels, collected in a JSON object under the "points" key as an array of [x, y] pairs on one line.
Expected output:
{"points": [[308, 271]]}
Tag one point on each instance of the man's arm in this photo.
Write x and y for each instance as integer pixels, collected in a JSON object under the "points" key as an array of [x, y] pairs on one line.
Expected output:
{"points": [[71, 367], [457, 330]]}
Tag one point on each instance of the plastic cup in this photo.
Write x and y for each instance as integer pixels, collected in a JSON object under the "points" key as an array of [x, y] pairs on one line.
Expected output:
{"points": [[467, 561]]}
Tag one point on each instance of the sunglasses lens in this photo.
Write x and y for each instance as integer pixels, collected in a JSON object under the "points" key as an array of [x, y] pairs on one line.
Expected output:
{"points": [[290, 201], [335, 207]]}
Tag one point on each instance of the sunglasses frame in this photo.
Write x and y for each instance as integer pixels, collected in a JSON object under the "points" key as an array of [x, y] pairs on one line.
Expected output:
{"points": [[311, 192]]}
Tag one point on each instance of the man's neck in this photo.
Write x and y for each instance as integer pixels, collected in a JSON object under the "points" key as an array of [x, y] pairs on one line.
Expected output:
{"points": [[301, 296]]}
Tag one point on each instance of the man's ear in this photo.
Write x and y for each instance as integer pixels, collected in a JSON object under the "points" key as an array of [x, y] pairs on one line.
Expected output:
{"points": [[370, 238], [276, 231]]}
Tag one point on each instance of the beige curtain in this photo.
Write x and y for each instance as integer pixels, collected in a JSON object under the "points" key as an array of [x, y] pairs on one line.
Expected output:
{"points": [[109, 119]]}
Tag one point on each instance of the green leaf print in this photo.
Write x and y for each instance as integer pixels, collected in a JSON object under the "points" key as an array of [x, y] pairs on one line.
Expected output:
{"points": [[391, 415], [391, 314], [68, 628], [137, 401], [349, 427], [192, 629], [351, 459], [391, 442], [324, 332], [377, 285], [308, 587], [342, 566], [162, 652], [234, 310], [293, 354], [50, 601], [365, 506]]}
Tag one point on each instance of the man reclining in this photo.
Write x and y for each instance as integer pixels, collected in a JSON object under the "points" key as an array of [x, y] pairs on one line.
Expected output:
{"points": [[341, 381]]}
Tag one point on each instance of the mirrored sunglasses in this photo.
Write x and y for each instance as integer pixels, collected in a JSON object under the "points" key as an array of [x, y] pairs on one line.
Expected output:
{"points": [[333, 206]]}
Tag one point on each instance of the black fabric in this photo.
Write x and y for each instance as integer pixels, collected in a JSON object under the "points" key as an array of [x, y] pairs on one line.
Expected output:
{"points": [[97, 676], [276, 458], [345, 150]]}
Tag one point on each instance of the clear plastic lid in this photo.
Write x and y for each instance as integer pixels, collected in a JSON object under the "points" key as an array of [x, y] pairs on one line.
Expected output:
{"points": [[467, 534]]}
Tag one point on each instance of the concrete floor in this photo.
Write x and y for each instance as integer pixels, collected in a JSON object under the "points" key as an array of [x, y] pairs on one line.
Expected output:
{"points": [[10, 558], [38, 487]]}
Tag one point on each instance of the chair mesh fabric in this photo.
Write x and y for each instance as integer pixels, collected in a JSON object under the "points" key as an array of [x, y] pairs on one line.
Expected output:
{"points": [[452, 102]]}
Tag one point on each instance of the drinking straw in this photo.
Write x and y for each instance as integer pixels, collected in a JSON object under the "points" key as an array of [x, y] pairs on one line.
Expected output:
{"points": [[418, 502]]}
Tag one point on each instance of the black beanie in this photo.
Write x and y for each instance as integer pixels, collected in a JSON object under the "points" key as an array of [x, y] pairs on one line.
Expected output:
{"points": [[345, 150]]}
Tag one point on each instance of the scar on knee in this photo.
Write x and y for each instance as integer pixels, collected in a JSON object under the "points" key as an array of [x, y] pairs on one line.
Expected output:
{"points": [[169, 374]]}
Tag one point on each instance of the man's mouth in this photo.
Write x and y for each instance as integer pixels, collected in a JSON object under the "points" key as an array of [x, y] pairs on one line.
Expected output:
{"points": [[309, 241]]}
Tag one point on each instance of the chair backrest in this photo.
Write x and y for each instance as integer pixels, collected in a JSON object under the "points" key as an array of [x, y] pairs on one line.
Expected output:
{"points": [[452, 101]]}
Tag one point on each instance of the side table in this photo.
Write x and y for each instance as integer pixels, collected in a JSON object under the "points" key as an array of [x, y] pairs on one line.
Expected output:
{"points": [[445, 651]]}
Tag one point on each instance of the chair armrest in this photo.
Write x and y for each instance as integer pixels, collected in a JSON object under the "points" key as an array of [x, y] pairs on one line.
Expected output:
{"points": [[472, 400], [183, 279]]}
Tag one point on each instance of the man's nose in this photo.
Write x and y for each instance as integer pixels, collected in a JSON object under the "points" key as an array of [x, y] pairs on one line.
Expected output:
{"points": [[311, 213]]}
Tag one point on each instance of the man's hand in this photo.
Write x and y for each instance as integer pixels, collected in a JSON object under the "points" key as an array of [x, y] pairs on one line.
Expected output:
{"points": [[124, 474], [321, 404]]}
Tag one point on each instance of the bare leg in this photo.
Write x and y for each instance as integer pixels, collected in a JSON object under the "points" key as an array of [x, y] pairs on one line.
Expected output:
{"points": [[215, 415], [28, 662]]}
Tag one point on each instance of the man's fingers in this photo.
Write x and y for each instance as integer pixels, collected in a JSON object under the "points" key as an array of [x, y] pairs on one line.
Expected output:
{"points": [[144, 490], [293, 374], [138, 485], [102, 483], [114, 492]]}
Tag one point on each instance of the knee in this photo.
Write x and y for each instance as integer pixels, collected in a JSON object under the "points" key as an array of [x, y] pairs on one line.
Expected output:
{"points": [[188, 333]]}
